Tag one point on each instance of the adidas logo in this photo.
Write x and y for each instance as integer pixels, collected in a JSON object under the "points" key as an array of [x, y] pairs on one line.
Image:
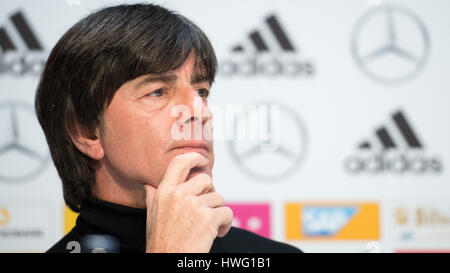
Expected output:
{"points": [[395, 148], [266, 52], [260, 45], [20, 49]]}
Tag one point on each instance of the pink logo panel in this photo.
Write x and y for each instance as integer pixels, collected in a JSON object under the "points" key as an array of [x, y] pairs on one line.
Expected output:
{"points": [[254, 217]]}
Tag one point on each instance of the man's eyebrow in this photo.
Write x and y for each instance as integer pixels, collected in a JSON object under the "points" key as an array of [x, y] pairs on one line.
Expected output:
{"points": [[168, 77], [198, 78]]}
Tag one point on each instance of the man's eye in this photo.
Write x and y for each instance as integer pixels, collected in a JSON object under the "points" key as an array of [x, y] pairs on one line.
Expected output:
{"points": [[203, 92], [157, 93]]}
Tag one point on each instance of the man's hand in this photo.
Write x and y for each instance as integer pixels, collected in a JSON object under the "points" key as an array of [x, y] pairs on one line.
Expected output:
{"points": [[185, 216]]}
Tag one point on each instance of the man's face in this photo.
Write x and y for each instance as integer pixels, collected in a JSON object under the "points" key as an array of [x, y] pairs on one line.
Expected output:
{"points": [[137, 137]]}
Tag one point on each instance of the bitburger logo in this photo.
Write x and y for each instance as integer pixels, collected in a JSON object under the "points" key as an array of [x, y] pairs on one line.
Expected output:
{"points": [[21, 52], [395, 149], [266, 52], [4, 216]]}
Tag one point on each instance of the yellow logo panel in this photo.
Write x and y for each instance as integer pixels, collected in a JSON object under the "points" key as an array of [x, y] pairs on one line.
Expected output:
{"points": [[332, 221], [4, 216], [70, 218]]}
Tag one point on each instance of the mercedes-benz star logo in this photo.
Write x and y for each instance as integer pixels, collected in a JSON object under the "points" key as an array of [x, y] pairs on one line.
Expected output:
{"points": [[23, 152], [270, 166], [390, 44]]}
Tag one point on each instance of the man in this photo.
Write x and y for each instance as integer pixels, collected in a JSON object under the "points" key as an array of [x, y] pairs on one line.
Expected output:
{"points": [[106, 103]]}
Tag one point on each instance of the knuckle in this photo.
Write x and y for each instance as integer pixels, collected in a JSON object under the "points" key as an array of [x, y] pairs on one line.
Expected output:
{"points": [[210, 219], [204, 177], [161, 193], [207, 180], [177, 195], [195, 202], [209, 225], [204, 181], [219, 198], [228, 212]]}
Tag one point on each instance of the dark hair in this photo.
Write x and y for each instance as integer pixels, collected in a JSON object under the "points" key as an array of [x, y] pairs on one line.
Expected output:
{"points": [[91, 61]]}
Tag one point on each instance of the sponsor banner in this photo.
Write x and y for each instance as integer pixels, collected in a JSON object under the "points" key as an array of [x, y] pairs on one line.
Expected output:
{"points": [[421, 224], [23, 150], [379, 46], [329, 78], [267, 52], [21, 51], [332, 221], [70, 219], [422, 251], [25, 226], [254, 217], [394, 149], [285, 141]]}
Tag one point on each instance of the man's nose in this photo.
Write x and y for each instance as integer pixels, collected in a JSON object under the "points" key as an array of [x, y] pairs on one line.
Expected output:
{"points": [[186, 120], [195, 104]]}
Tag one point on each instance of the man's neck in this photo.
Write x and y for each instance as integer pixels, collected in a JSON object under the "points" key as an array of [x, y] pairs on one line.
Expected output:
{"points": [[110, 189]]}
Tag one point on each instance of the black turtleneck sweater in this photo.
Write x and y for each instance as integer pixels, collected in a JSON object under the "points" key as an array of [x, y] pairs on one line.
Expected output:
{"points": [[128, 225]]}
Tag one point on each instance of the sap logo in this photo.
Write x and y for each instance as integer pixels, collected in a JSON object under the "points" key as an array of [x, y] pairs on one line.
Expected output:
{"points": [[332, 221], [325, 221]]}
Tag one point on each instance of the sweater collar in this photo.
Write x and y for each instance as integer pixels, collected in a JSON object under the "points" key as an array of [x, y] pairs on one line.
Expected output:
{"points": [[126, 224]]}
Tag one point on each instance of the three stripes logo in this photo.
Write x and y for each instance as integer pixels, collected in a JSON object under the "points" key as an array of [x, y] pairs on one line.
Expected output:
{"points": [[267, 51], [20, 49], [260, 45], [394, 148]]}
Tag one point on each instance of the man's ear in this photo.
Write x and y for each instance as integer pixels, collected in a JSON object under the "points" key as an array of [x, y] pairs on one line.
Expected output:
{"points": [[86, 143]]}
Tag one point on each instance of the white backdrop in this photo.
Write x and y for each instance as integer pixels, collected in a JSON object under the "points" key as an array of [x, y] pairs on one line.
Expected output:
{"points": [[351, 79]]}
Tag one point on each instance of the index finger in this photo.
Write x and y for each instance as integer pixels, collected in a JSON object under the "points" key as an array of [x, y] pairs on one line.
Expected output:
{"points": [[180, 166]]}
